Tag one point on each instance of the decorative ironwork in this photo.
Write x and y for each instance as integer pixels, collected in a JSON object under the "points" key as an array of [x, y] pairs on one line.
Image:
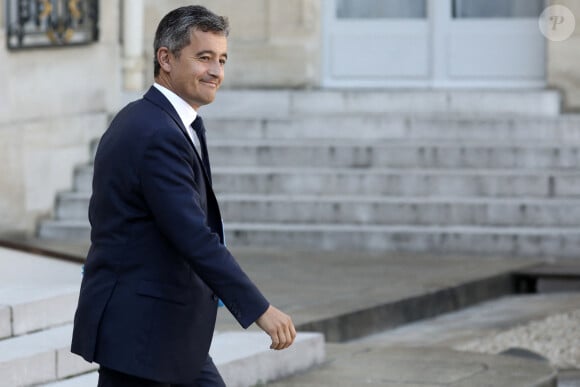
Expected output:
{"points": [[50, 23]]}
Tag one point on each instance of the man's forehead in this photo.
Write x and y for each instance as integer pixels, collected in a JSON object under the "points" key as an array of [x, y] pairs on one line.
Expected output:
{"points": [[215, 42]]}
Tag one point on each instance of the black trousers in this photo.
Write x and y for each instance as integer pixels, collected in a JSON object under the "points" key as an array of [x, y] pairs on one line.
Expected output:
{"points": [[208, 377]]}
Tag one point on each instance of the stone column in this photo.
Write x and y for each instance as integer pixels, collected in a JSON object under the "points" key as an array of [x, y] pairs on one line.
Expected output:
{"points": [[133, 62], [563, 58]]}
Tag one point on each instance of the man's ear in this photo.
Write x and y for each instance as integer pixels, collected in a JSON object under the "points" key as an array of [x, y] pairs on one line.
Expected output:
{"points": [[163, 57]]}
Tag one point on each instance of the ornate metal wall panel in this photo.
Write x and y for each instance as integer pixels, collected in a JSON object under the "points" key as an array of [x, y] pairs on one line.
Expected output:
{"points": [[50, 23]]}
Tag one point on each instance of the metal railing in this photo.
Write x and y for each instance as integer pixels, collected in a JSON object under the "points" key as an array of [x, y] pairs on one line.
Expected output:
{"points": [[51, 23]]}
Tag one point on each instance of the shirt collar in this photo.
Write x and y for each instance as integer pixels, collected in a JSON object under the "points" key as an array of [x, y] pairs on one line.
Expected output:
{"points": [[186, 113]]}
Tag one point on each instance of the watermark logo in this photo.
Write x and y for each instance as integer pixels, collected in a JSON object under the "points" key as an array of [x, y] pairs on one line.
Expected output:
{"points": [[557, 23]]}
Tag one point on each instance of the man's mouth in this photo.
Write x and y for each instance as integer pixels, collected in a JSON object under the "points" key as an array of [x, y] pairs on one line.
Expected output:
{"points": [[209, 83]]}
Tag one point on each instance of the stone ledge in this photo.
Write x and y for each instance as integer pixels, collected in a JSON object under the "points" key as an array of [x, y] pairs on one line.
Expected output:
{"points": [[243, 359], [40, 357], [41, 314]]}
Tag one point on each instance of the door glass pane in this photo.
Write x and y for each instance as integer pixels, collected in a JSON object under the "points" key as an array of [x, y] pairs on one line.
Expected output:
{"points": [[497, 8], [381, 9]]}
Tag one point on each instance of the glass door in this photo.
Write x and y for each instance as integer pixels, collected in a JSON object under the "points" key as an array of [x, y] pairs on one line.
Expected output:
{"points": [[433, 43], [489, 43], [370, 41]]}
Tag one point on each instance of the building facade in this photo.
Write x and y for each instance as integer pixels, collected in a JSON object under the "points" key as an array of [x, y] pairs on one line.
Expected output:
{"points": [[56, 98]]}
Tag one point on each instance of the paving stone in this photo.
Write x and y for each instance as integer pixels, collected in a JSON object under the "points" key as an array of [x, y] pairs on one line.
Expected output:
{"points": [[379, 367]]}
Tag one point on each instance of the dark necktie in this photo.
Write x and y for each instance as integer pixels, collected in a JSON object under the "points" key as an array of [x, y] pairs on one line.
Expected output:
{"points": [[199, 129]]}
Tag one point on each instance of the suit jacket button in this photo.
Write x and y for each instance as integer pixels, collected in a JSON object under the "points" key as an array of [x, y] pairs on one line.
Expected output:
{"points": [[214, 297]]}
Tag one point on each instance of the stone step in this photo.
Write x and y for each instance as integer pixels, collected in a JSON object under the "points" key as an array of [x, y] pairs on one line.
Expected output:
{"points": [[403, 211], [30, 310], [513, 241], [397, 182], [561, 129], [36, 293], [291, 103], [504, 241], [39, 358], [65, 230], [395, 155], [86, 380], [558, 276], [374, 210], [391, 182], [38, 296], [243, 358]]}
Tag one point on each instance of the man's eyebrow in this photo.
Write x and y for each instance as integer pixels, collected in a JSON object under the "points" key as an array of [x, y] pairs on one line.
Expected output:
{"points": [[200, 53]]}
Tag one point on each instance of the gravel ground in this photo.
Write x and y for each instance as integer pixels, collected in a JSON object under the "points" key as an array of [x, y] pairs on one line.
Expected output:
{"points": [[556, 337]]}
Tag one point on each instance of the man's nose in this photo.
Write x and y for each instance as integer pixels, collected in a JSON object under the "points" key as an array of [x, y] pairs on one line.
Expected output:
{"points": [[216, 69]]}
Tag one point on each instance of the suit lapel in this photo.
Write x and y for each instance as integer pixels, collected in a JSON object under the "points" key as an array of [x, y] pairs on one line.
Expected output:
{"points": [[156, 97]]}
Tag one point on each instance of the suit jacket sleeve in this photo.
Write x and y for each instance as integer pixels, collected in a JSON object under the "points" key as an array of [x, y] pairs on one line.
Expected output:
{"points": [[169, 187]]}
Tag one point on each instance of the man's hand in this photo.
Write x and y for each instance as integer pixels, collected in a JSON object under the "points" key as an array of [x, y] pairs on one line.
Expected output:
{"points": [[278, 326]]}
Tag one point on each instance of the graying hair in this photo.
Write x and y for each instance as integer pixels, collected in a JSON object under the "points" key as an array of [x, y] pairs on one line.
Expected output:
{"points": [[174, 30]]}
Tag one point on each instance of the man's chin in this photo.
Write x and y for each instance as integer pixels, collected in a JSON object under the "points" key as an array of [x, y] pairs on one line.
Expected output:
{"points": [[206, 99], [209, 98]]}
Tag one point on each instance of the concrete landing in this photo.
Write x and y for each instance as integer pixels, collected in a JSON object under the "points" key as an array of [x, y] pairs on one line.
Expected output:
{"points": [[347, 295], [422, 367], [350, 295], [421, 353]]}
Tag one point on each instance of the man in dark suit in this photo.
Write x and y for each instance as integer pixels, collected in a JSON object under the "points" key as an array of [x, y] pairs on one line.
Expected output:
{"points": [[157, 263]]}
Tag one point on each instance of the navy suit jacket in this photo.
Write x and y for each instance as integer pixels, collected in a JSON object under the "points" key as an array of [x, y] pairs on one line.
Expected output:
{"points": [[157, 263]]}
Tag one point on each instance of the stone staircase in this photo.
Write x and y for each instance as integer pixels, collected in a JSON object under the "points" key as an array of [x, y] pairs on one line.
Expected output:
{"points": [[38, 297], [463, 172]]}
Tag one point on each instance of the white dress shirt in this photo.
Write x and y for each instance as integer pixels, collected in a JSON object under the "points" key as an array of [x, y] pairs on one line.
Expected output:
{"points": [[186, 113]]}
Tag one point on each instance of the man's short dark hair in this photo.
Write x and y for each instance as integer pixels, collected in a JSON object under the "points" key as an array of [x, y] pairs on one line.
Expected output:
{"points": [[174, 30]]}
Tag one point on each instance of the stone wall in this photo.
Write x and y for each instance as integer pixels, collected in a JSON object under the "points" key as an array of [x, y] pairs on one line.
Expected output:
{"points": [[563, 59], [278, 44], [273, 43], [53, 101]]}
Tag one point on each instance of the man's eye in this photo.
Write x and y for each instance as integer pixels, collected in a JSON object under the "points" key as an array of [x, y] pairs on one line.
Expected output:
{"points": [[204, 58], [223, 62]]}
